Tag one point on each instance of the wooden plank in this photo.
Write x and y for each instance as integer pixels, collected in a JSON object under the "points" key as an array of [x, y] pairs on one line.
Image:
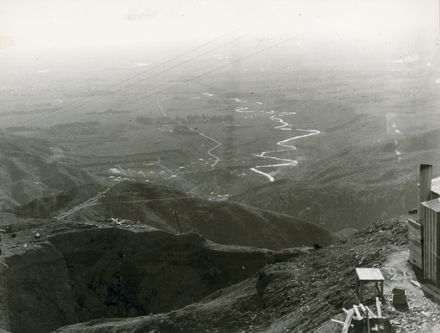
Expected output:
{"points": [[371, 313], [358, 314], [413, 223], [379, 310], [437, 249], [364, 310], [337, 321], [369, 274], [416, 283], [433, 237], [368, 324], [425, 178], [422, 233], [347, 322]]}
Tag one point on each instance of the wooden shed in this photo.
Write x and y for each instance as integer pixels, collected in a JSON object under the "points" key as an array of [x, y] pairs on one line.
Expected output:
{"points": [[430, 217], [424, 232]]}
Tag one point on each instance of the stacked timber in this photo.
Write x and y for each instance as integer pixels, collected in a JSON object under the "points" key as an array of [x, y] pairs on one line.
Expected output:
{"points": [[361, 319]]}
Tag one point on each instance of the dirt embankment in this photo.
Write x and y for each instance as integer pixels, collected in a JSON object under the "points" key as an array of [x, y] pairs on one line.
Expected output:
{"points": [[83, 274], [297, 295]]}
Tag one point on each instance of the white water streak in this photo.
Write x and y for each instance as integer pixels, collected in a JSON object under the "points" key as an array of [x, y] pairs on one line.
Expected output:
{"points": [[286, 143]]}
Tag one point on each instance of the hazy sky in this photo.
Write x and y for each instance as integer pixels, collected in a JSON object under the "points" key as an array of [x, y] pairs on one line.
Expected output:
{"points": [[58, 24]]}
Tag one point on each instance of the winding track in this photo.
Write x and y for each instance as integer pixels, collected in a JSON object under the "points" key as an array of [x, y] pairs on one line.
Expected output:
{"points": [[93, 201], [283, 143], [209, 151]]}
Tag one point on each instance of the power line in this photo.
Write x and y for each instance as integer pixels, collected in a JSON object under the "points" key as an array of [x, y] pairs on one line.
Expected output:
{"points": [[87, 117], [223, 66], [69, 107], [209, 71]]}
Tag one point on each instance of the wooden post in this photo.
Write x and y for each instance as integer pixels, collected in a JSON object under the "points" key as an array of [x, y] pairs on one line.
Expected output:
{"points": [[358, 314], [176, 217], [425, 177], [379, 310], [348, 320], [368, 322], [371, 313]]}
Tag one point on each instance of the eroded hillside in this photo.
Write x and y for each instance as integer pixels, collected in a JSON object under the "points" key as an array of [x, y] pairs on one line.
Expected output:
{"points": [[296, 295], [224, 222], [33, 168], [55, 275]]}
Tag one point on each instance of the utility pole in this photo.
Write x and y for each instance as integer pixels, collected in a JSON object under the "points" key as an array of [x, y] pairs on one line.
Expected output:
{"points": [[280, 198], [176, 217]]}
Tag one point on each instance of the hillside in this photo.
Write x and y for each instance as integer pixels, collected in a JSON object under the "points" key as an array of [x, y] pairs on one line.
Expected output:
{"points": [[353, 187], [74, 273], [134, 278], [299, 294], [32, 168], [336, 206], [224, 222]]}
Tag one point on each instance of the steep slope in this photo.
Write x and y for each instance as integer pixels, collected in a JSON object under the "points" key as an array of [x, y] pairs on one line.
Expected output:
{"points": [[48, 206], [297, 295], [337, 206], [32, 168], [78, 273], [223, 222]]}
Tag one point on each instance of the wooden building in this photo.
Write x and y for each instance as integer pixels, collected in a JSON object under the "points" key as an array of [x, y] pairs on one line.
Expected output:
{"points": [[415, 243], [430, 232], [424, 232]]}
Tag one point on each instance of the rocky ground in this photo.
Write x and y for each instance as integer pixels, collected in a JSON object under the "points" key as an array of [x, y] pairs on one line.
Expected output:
{"points": [[300, 294], [423, 314], [55, 273], [297, 295]]}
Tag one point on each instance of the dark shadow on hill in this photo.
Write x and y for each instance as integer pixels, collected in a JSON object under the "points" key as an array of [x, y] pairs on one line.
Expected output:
{"points": [[112, 272], [225, 222]]}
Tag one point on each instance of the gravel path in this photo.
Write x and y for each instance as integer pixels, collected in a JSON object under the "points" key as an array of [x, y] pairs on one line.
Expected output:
{"points": [[423, 315]]}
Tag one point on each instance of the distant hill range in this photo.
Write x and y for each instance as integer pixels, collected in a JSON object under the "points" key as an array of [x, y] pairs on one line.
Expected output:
{"points": [[225, 222], [32, 168]]}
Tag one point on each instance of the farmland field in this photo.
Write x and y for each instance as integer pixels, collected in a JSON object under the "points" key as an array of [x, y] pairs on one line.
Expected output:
{"points": [[281, 137]]}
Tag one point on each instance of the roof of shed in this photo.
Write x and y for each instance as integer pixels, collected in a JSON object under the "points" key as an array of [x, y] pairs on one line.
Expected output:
{"points": [[432, 204], [435, 185]]}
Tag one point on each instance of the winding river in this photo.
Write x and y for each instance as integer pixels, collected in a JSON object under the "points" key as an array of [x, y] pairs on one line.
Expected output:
{"points": [[286, 144]]}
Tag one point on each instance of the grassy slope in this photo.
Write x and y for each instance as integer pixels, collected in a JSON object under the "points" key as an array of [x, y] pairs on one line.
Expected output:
{"points": [[223, 222]]}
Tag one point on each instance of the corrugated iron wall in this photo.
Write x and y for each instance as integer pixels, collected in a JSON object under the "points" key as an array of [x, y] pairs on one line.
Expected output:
{"points": [[430, 249]]}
